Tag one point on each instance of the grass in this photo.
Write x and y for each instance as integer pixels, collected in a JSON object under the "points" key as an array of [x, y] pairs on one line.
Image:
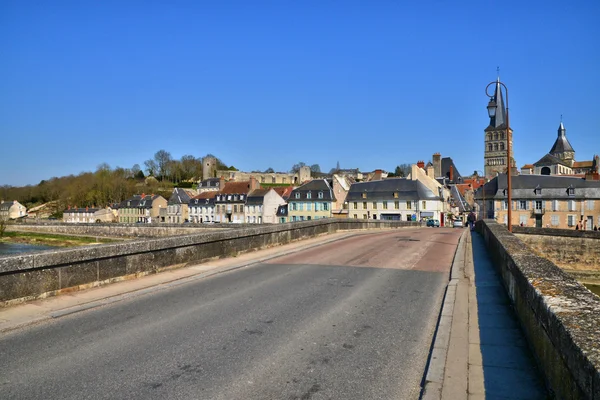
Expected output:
{"points": [[52, 239]]}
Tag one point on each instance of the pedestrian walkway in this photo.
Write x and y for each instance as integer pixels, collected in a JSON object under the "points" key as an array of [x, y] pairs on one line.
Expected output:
{"points": [[480, 351], [501, 365]]}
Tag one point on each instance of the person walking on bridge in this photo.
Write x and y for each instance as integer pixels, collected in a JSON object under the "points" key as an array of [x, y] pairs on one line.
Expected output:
{"points": [[471, 220]]}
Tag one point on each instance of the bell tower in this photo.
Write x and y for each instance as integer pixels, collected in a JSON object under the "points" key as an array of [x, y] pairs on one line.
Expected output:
{"points": [[495, 140]]}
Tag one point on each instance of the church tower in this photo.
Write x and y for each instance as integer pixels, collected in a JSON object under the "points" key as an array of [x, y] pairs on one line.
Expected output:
{"points": [[495, 140], [562, 148]]}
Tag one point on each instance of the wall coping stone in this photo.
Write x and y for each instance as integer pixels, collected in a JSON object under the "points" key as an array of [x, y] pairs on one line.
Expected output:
{"points": [[556, 232]]}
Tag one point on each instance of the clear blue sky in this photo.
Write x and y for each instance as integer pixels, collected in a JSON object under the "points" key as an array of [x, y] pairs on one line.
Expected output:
{"points": [[260, 84]]}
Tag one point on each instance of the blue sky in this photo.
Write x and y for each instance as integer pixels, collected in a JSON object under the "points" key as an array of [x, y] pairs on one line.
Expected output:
{"points": [[261, 84]]}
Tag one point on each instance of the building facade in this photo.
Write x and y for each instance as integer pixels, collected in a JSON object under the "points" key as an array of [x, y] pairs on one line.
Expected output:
{"points": [[231, 200], [12, 210], [141, 209], [89, 215], [202, 208], [396, 199], [543, 201], [313, 200], [177, 207], [261, 206], [340, 185]]}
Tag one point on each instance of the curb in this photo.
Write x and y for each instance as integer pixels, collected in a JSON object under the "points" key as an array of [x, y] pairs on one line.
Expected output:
{"points": [[434, 376]]}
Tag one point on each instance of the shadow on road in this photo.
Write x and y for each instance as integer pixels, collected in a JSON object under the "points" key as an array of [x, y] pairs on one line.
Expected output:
{"points": [[509, 369]]}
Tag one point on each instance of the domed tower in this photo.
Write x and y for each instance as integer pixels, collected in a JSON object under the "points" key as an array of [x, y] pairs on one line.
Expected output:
{"points": [[562, 148], [209, 167]]}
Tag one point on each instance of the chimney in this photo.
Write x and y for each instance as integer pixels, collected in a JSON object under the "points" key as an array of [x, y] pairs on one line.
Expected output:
{"points": [[437, 164], [451, 174], [421, 164], [254, 184], [430, 172]]}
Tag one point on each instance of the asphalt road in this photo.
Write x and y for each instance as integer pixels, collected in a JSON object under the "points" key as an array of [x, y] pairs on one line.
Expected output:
{"points": [[352, 319]]}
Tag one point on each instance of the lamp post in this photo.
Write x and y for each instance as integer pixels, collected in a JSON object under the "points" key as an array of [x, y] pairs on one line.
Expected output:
{"points": [[492, 108]]}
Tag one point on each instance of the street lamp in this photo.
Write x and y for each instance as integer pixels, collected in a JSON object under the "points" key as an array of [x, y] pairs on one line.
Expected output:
{"points": [[492, 109]]}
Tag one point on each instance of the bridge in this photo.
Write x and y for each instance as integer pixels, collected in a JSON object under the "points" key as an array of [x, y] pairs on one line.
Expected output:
{"points": [[338, 309]]}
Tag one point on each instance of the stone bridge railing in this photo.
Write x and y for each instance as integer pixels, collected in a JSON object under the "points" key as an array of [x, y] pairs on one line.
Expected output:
{"points": [[560, 317], [46, 273]]}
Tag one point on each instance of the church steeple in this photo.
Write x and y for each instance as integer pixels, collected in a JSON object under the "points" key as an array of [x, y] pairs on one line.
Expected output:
{"points": [[562, 148], [499, 119]]}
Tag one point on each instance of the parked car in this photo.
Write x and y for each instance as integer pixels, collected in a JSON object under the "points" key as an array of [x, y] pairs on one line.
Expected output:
{"points": [[434, 223], [458, 223]]}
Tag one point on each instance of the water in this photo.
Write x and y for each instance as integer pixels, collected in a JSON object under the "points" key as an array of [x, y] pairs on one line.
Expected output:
{"points": [[594, 288], [11, 249]]}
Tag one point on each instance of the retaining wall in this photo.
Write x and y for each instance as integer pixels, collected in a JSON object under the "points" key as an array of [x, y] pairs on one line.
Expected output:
{"points": [[41, 274], [560, 317]]}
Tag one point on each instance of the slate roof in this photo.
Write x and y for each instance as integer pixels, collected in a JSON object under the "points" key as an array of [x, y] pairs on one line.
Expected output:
{"points": [[384, 190], [137, 201], [179, 196], [256, 197], [446, 163], [459, 200], [549, 159], [206, 198], [210, 183], [282, 210], [81, 210], [553, 187], [562, 143], [314, 187]]}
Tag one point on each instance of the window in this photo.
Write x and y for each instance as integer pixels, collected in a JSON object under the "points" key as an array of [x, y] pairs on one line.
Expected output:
{"points": [[423, 207], [229, 198], [294, 207], [320, 195], [385, 205], [554, 220], [308, 206], [356, 205], [325, 206], [308, 195], [555, 205], [364, 195], [523, 220], [355, 216], [300, 206], [537, 190], [395, 195], [570, 220], [374, 205], [364, 205], [571, 191], [590, 204], [297, 195], [572, 205], [364, 216], [397, 205], [523, 205], [505, 205], [317, 207], [538, 204], [409, 205]]}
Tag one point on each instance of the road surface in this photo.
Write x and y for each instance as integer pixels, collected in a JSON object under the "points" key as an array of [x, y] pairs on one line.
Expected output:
{"points": [[352, 319]]}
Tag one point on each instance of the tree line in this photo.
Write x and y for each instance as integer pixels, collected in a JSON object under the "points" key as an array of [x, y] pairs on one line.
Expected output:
{"points": [[107, 185]]}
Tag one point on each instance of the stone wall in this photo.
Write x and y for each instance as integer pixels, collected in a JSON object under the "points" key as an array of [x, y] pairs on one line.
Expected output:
{"points": [[42, 274], [570, 249], [560, 317]]}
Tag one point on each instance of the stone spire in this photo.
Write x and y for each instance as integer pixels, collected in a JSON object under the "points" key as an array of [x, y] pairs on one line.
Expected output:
{"points": [[499, 119]]}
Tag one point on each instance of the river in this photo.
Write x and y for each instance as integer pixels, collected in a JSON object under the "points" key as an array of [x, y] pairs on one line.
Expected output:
{"points": [[11, 249], [594, 288]]}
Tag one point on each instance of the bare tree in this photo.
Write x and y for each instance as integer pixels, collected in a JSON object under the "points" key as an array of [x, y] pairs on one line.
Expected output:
{"points": [[3, 222], [162, 158]]}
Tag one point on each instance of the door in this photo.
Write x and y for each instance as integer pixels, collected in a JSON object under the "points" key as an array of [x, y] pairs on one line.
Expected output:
{"points": [[590, 223], [538, 221]]}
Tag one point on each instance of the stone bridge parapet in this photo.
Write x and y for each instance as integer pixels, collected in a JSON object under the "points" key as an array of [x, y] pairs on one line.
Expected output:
{"points": [[560, 317]]}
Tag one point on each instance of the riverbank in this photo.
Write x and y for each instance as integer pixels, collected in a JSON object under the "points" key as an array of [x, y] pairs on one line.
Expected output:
{"points": [[52, 239]]}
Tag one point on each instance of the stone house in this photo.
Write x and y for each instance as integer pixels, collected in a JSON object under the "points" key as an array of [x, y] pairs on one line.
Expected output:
{"points": [[12, 210], [313, 200], [202, 208], [177, 207], [261, 206], [395, 199], [231, 200], [547, 201], [340, 185], [88, 215], [141, 208]]}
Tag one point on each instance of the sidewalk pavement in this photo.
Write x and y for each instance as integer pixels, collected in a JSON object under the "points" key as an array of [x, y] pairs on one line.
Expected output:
{"points": [[20, 315], [480, 351]]}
